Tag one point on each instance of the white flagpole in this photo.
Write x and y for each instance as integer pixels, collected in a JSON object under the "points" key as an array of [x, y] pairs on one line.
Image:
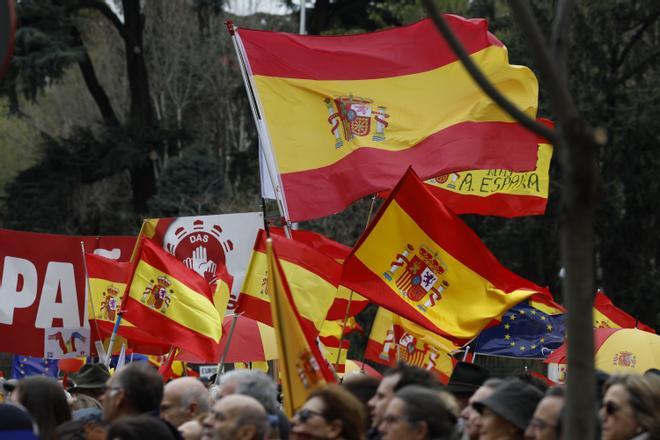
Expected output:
{"points": [[262, 130]]}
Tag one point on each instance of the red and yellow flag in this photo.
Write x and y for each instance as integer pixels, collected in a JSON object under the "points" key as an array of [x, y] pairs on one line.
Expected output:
{"points": [[393, 339], [372, 104], [331, 340], [313, 277], [607, 315], [501, 193], [420, 261], [170, 301], [302, 367], [107, 284], [346, 303]]}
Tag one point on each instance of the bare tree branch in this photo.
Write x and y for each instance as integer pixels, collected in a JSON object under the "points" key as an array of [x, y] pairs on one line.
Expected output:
{"points": [[560, 28], [635, 38], [483, 82], [638, 67]]}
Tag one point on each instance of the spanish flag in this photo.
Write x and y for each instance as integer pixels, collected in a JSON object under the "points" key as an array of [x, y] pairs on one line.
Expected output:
{"points": [[313, 278], [393, 339], [107, 284], [346, 115], [170, 301], [419, 260], [500, 193], [335, 348], [346, 302], [607, 315], [302, 367]]}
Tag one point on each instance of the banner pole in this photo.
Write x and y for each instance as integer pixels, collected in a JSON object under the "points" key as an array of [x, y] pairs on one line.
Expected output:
{"points": [[264, 140], [226, 350], [343, 328]]}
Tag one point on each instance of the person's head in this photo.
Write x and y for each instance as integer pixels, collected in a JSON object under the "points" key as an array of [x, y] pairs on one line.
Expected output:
{"points": [[183, 399], [545, 422], [253, 383], [135, 389], [507, 412], [465, 379], [15, 419], [631, 406], [416, 413], [91, 381], [138, 428], [363, 387], [235, 416], [396, 378], [45, 400], [191, 430], [330, 412], [472, 417]]}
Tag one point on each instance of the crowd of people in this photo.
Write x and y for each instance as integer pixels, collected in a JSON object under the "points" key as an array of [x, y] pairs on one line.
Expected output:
{"points": [[407, 403]]}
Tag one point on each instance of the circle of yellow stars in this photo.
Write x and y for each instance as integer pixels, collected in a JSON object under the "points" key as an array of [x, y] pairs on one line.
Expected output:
{"points": [[522, 347]]}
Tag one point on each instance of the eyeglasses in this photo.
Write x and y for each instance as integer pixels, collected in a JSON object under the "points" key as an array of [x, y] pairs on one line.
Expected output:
{"points": [[306, 414], [611, 408]]}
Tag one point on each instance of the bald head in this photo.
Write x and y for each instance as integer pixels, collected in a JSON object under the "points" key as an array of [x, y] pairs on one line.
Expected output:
{"points": [[236, 416], [183, 399]]}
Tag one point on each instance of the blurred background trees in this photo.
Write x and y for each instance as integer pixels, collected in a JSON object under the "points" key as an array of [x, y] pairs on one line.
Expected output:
{"points": [[113, 112]]}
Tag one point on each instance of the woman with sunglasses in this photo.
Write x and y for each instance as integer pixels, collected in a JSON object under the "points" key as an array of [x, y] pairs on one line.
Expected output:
{"points": [[631, 408], [329, 413]]}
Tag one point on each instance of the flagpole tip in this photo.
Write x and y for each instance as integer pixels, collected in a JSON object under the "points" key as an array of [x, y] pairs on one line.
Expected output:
{"points": [[230, 27]]}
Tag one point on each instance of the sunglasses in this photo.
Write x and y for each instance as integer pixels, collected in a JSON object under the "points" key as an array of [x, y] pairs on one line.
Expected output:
{"points": [[611, 408], [306, 414]]}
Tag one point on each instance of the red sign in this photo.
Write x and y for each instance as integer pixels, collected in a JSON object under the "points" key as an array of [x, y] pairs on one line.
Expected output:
{"points": [[42, 290]]}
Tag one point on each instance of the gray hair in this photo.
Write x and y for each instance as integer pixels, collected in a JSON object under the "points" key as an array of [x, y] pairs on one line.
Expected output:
{"points": [[197, 395], [426, 405], [254, 383]]}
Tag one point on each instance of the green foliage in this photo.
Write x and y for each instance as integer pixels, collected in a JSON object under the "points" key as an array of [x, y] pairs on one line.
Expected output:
{"points": [[46, 44], [190, 184]]}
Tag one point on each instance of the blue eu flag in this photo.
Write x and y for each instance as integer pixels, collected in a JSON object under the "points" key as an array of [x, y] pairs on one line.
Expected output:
{"points": [[22, 366], [525, 332]]}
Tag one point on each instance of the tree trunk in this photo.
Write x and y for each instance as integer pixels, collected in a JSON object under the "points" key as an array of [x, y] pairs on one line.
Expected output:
{"points": [[143, 179]]}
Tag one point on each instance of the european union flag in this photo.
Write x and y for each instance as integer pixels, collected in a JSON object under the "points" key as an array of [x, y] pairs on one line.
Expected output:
{"points": [[525, 331], [22, 366]]}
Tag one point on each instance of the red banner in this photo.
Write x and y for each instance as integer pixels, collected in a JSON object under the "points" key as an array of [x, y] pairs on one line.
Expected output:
{"points": [[42, 291]]}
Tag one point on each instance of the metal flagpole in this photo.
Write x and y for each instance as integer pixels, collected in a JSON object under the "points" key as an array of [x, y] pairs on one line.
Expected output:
{"points": [[120, 312], [262, 130], [303, 12], [350, 295], [226, 350]]}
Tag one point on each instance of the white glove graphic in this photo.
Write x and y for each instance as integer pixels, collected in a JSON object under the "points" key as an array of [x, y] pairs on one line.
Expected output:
{"points": [[199, 262]]}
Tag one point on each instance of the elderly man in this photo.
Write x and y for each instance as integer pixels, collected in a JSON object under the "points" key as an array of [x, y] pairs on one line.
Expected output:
{"points": [[183, 399], [237, 417], [545, 422], [395, 378], [133, 390], [257, 384]]}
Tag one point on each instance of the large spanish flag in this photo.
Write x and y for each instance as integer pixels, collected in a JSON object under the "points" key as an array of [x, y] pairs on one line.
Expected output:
{"points": [[393, 339], [302, 367], [420, 261], [107, 284], [501, 193], [313, 277], [346, 115], [172, 302], [607, 315]]}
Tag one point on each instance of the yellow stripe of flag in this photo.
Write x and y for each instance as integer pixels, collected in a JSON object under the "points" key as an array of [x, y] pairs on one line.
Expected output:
{"points": [[187, 307]]}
